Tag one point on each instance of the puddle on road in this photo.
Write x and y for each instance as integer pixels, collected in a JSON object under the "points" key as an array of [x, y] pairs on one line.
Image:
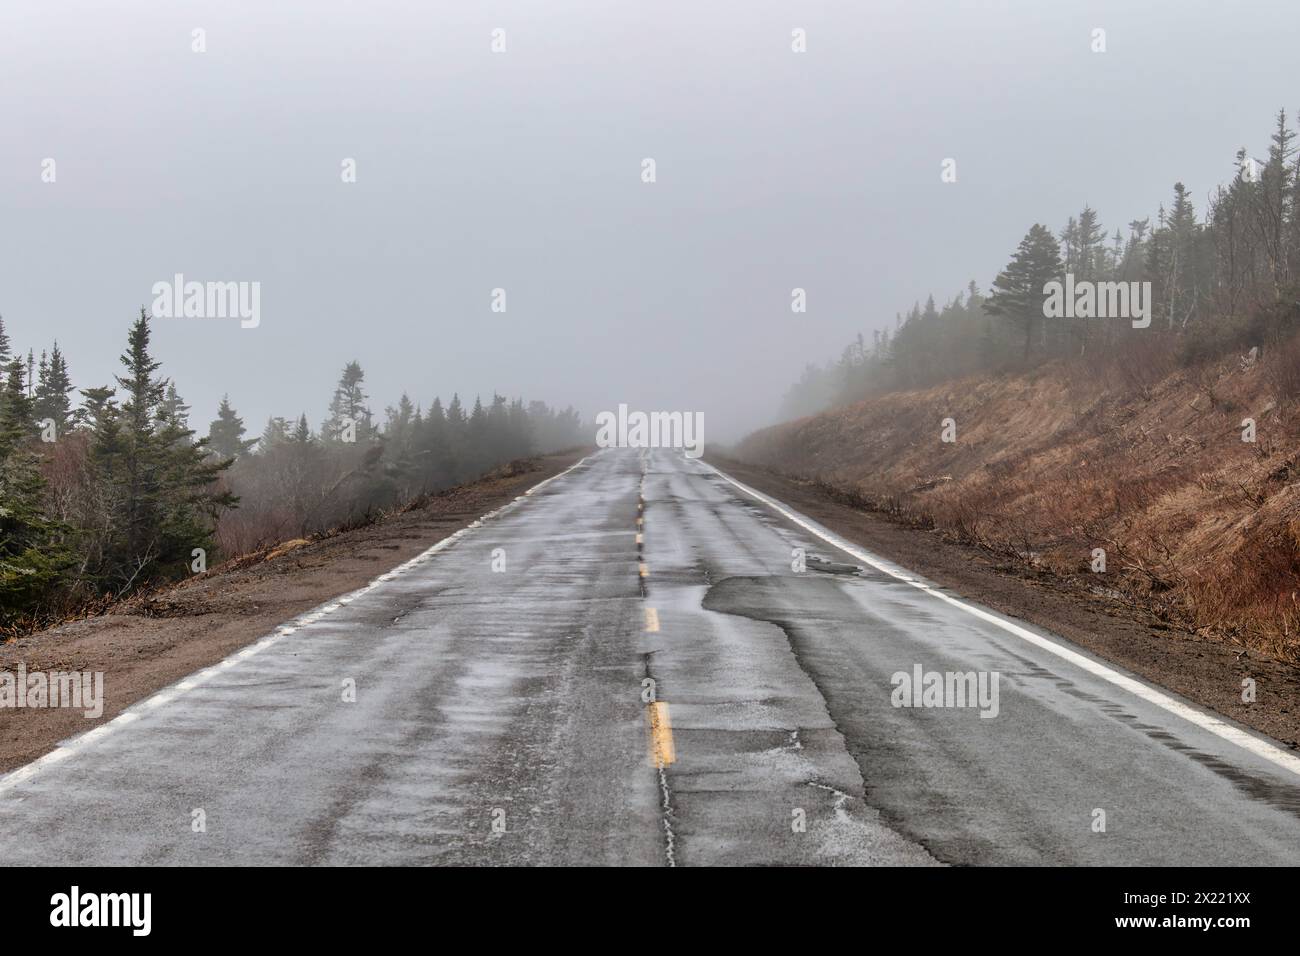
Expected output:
{"points": [[782, 599]]}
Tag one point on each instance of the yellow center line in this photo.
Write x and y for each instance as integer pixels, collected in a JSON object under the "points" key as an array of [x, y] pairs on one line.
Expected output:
{"points": [[652, 620], [661, 734], [645, 572], [638, 538]]}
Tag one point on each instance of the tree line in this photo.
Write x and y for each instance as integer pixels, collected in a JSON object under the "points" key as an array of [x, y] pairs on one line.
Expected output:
{"points": [[1224, 279], [117, 492]]}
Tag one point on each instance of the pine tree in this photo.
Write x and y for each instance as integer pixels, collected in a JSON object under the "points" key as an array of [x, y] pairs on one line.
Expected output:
{"points": [[476, 431], [348, 406], [1018, 290], [97, 407], [397, 429], [165, 499], [1293, 231], [399, 446], [15, 405], [455, 414], [226, 433], [1274, 197], [434, 447], [173, 412], [298, 461], [1091, 241], [31, 558], [276, 431], [1174, 260], [52, 392]]}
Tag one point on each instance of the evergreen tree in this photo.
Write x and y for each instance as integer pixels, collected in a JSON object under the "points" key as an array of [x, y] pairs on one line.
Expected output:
{"points": [[165, 499], [434, 448], [302, 431], [348, 406], [173, 412], [1091, 245], [476, 435], [276, 431], [16, 407], [1273, 207], [1018, 290], [397, 429], [399, 446], [97, 407], [226, 433], [52, 392], [31, 557]]}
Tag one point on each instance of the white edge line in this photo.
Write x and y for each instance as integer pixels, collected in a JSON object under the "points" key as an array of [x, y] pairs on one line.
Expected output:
{"points": [[190, 681], [1235, 735]]}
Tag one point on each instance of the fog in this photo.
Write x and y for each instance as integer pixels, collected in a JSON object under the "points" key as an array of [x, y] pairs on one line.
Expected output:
{"points": [[522, 171]]}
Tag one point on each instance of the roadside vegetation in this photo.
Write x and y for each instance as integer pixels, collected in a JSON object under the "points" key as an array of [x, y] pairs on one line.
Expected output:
{"points": [[117, 492], [1173, 448], [1222, 281]]}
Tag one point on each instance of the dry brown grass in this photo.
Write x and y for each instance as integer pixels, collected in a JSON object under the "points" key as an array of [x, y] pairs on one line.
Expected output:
{"points": [[1141, 458]]}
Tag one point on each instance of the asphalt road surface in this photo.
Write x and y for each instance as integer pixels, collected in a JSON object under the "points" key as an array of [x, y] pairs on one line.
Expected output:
{"points": [[546, 688]]}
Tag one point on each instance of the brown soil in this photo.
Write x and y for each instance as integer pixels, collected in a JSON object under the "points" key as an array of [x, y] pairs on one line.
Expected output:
{"points": [[155, 639], [1205, 670], [1133, 455]]}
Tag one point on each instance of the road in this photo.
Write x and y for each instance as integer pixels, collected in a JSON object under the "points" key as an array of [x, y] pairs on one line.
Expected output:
{"points": [[548, 688]]}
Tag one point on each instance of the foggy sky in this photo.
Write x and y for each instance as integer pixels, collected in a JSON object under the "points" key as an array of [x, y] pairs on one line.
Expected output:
{"points": [[522, 171]]}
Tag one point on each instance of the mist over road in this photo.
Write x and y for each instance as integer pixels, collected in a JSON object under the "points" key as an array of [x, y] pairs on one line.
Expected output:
{"points": [[625, 667]]}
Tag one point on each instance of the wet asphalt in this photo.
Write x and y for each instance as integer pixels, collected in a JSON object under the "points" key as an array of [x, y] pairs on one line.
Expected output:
{"points": [[548, 689]]}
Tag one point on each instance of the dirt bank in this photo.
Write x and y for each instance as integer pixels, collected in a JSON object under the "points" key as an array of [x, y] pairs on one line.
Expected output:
{"points": [[1140, 459]]}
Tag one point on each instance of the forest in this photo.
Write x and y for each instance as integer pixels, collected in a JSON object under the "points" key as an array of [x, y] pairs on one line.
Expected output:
{"points": [[1222, 279]]}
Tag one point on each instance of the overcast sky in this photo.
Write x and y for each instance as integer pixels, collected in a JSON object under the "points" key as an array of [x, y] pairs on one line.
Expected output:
{"points": [[522, 170]]}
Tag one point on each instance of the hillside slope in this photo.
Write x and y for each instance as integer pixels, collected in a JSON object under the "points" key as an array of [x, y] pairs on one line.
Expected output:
{"points": [[1136, 457]]}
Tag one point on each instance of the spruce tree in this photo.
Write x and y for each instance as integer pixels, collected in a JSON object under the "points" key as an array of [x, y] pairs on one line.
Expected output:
{"points": [[173, 412], [31, 557], [226, 433], [348, 406], [1017, 293], [276, 431], [97, 406], [52, 391], [163, 482]]}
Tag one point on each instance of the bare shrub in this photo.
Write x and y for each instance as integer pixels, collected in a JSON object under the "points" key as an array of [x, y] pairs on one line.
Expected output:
{"points": [[1281, 370]]}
